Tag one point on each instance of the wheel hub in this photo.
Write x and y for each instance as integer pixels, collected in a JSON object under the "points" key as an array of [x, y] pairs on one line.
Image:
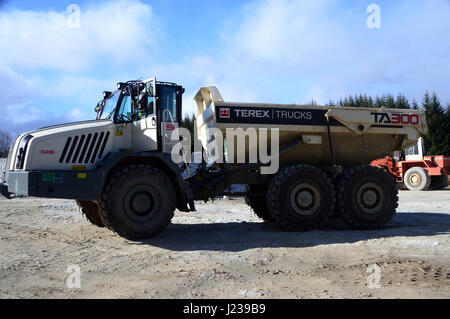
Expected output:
{"points": [[415, 179], [370, 198], [305, 199], [141, 203]]}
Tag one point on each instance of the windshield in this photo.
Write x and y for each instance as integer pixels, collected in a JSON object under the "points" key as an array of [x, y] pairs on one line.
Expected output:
{"points": [[110, 105]]}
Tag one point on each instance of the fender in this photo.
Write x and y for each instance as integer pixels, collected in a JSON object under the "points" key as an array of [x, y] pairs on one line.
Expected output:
{"points": [[88, 185]]}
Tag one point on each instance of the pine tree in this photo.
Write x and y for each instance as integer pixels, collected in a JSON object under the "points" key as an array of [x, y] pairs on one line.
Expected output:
{"points": [[379, 102], [366, 101], [402, 102], [351, 101], [344, 102], [389, 101], [446, 150], [437, 140]]}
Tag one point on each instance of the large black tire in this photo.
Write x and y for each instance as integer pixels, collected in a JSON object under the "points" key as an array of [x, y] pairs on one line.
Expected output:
{"points": [[256, 198], [417, 179], [367, 197], [91, 211], [138, 202], [439, 182], [300, 198], [335, 214]]}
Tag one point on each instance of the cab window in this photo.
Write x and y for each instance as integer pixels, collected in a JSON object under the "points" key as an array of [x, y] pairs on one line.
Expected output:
{"points": [[125, 112], [168, 102], [146, 107], [413, 150], [151, 106]]}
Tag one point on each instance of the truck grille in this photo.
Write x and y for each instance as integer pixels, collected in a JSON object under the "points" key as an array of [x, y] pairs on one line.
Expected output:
{"points": [[84, 148]]}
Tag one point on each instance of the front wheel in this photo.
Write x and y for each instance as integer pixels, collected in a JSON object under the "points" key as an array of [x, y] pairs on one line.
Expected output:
{"points": [[138, 202], [91, 211], [417, 179], [367, 197]]}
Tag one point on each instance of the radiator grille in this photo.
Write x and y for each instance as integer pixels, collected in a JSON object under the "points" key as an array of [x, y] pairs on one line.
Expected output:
{"points": [[85, 148]]}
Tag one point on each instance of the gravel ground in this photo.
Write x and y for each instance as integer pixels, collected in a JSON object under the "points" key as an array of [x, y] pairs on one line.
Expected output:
{"points": [[224, 251]]}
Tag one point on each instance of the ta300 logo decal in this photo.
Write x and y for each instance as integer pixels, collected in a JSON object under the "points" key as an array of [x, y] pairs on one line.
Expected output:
{"points": [[395, 118]]}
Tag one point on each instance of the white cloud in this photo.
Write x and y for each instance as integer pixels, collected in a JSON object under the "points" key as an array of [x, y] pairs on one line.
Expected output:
{"points": [[284, 50], [13, 86], [286, 32], [113, 32], [42, 61]]}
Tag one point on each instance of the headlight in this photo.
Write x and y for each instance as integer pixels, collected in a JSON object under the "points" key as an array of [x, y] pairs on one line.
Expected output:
{"points": [[8, 162], [21, 153]]}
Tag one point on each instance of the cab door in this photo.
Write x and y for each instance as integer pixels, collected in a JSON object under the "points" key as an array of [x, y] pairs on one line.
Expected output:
{"points": [[136, 129], [170, 108], [123, 141], [145, 137]]}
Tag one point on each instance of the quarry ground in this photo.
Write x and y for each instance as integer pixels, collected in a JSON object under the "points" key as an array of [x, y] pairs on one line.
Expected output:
{"points": [[224, 251]]}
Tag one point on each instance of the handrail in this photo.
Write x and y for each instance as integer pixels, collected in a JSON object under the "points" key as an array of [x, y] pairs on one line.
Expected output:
{"points": [[183, 153], [170, 114]]}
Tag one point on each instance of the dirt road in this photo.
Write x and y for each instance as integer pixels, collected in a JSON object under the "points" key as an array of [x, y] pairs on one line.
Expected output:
{"points": [[223, 251]]}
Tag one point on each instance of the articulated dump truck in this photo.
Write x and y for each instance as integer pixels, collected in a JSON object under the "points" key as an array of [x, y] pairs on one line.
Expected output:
{"points": [[300, 164]]}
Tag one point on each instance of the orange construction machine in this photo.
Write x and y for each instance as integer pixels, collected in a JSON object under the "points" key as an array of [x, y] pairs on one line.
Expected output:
{"points": [[416, 171]]}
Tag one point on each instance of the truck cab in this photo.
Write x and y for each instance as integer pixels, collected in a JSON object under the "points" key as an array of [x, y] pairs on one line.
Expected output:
{"points": [[73, 160], [416, 152], [144, 114]]}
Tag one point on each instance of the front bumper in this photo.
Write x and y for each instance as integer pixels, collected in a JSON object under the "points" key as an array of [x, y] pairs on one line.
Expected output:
{"points": [[4, 190], [55, 184]]}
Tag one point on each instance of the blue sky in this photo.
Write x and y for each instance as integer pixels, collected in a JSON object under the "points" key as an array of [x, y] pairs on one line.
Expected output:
{"points": [[284, 51]]}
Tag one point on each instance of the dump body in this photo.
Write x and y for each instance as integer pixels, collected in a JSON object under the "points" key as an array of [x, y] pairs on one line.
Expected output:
{"points": [[358, 135]]}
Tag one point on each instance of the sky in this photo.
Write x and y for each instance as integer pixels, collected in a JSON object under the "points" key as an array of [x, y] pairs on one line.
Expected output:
{"points": [[56, 61]]}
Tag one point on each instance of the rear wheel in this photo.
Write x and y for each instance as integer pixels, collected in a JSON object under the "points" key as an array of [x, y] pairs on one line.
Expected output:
{"points": [[417, 179], [300, 197], [91, 211], [367, 197], [256, 198], [138, 202]]}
